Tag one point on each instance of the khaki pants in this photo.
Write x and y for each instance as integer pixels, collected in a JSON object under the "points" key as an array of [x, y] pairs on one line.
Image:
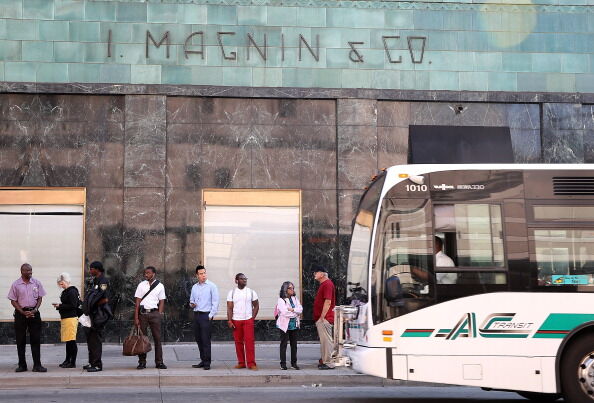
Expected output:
{"points": [[326, 344]]}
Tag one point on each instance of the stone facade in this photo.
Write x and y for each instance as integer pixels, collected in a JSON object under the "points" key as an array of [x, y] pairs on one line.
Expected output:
{"points": [[144, 160]]}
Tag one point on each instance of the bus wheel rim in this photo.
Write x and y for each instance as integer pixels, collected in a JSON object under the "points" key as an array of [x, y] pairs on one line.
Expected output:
{"points": [[585, 374]]}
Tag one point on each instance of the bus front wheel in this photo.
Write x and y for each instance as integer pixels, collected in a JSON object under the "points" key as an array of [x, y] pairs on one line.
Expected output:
{"points": [[577, 370]]}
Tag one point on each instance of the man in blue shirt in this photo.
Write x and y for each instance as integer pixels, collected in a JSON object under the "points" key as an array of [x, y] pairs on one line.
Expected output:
{"points": [[204, 299]]}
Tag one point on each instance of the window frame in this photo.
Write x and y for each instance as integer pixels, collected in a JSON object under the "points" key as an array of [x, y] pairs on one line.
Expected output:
{"points": [[534, 224], [27, 196], [462, 269], [253, 198]]}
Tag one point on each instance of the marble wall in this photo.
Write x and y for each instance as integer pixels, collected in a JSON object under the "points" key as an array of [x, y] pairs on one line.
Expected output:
{"points": [[145, 159]]}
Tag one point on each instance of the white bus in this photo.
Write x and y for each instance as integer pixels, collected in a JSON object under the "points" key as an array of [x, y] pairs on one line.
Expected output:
{"points": [[504, 302]]}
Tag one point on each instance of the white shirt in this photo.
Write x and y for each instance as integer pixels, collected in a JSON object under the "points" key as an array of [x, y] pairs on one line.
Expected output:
{"points": [[242, 302], [443, 260], [152, 300]]}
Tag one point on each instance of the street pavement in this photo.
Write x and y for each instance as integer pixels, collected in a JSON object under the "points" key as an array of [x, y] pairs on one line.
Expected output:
{"points": [[284, 394], [119, 370]]}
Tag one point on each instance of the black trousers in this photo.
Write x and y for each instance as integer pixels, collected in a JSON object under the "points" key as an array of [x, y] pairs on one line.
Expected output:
{"points": [[288, 336], [23, 324], [95, 346], [202, 333], [71, 351]]}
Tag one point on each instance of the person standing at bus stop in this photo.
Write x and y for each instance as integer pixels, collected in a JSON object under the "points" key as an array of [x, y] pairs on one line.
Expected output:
{"points": [[204, 300], [323, 314], [242, 309], [25, 295]]}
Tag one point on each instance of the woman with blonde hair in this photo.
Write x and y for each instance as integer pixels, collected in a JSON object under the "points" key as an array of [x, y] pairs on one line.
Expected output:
{"points": [[288, 309], [68, 308]]}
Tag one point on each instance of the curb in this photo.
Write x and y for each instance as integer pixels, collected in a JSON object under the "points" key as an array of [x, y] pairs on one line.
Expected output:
{"points": [[100, 380]]}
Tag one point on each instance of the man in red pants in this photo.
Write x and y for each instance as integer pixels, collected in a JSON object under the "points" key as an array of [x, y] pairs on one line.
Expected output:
{"points": [[242, 309]]}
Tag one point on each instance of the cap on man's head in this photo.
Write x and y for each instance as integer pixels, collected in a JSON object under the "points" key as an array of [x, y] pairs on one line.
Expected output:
{"points": [[97, 266], [319, 268]]}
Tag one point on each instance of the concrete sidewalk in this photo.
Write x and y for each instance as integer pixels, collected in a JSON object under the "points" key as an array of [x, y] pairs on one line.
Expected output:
{"points": [[121, 371]]}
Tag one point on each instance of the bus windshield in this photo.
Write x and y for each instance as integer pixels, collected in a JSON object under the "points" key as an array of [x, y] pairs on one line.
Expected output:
{"points": [[357, 273]]}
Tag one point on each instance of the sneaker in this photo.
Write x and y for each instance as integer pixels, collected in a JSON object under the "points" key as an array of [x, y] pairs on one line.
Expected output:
{"points": [[39, 368], [161, 366], [85, 367], [283, 367], [20, 369], [254, 367], [94, 369], [69, 365], [324, 367], [141, 365], [239, 366], [62, 365], [295, 367]]}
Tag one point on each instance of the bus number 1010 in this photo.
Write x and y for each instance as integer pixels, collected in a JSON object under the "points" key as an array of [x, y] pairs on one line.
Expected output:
{"points": [[416, 188]]}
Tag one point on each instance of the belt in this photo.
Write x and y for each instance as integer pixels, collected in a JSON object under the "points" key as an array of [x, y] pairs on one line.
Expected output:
{"points": [[144, 310], [202, 312], [29, 309]]}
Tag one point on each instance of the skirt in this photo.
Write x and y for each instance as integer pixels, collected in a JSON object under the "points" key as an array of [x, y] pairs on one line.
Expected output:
{"points": [[68, 328]]}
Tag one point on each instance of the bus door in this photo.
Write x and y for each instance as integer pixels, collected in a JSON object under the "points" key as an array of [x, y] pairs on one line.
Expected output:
{"points": [[403, 266]]}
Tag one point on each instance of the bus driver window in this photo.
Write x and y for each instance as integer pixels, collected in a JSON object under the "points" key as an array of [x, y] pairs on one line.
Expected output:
{"points": [[468, 243]]}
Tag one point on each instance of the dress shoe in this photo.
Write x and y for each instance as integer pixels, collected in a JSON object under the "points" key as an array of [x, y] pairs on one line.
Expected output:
{"points": [[200, 365], [85, 367], [206, 367], [69, 365], [141, 365], [239, 366], [94, 369], [324, 367], [254, 367], [39, 368], [283, 367], [66, 362], [161, 366], [20, 369], [295, 367]]}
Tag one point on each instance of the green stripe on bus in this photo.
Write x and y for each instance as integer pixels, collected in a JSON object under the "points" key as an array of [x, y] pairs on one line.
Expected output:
{"points": [[416, 334], [549, 335], [565, 321], [504, 335]]}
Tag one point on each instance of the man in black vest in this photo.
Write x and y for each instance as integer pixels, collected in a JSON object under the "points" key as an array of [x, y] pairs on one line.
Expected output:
{"points": [[96, 306]]}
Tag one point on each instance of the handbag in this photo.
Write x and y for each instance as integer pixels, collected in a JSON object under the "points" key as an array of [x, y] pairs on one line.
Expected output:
{"points": [[136, 343], [85, 320]]}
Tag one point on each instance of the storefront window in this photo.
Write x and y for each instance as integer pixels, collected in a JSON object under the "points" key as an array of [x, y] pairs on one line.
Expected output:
{"points": [[257, 233], [39, 227]]}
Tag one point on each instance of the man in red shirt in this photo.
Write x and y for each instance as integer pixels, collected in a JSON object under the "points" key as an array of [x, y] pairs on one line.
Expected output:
{"points": [[323, 313]]}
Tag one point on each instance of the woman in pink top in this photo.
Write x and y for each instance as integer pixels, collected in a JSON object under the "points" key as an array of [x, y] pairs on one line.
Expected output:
{"points": [[288, 309]]}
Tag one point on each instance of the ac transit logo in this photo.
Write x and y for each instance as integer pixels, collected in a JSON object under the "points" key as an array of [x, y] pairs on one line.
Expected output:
{"points": [[495, 325]]}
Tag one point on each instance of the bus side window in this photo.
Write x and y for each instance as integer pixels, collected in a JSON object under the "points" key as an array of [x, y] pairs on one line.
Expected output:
{"points": [[471, 235], [564, 257]]}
